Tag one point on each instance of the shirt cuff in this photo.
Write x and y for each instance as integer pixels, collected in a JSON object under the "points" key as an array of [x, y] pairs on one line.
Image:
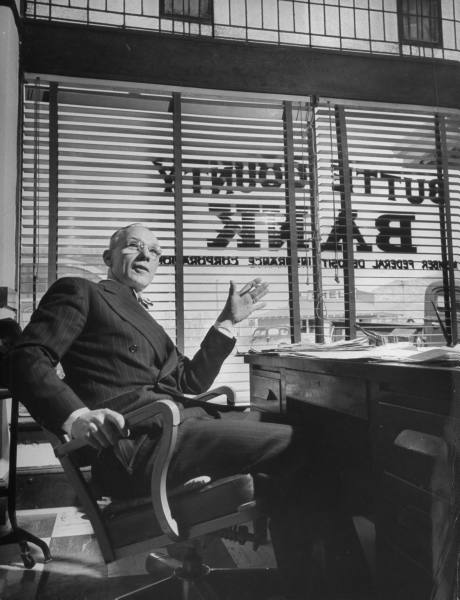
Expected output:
{"points": [[226, 328], [67, 425]]}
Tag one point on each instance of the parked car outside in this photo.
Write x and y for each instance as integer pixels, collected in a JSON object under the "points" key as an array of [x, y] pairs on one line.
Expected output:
{"points": [[270, 336]]}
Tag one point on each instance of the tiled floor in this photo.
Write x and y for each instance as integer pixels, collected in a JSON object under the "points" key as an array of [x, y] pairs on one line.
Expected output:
{"points": [[77, 571]]}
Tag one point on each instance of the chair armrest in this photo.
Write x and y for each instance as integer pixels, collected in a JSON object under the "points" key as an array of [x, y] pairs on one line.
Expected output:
{"points": [[66, 446], [222, 390], [169, 416]]}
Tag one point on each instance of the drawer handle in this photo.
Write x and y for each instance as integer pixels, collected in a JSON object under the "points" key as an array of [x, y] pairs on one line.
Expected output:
{"points": [[423, 443]]}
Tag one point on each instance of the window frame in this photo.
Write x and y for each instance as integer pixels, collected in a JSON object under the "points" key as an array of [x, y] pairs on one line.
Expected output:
{"points": [[403, 39], [207, 20]]}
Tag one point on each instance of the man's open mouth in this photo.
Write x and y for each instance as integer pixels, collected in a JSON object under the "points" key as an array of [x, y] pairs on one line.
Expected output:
{"points": [[140, 268]]}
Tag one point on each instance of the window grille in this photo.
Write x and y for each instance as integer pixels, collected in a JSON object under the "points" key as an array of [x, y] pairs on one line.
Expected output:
{"points": [[420, 22], [190, 10]]}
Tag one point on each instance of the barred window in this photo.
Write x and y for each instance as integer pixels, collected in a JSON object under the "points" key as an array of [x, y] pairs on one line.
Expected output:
{"points": [[420, 22], [191, 10]]}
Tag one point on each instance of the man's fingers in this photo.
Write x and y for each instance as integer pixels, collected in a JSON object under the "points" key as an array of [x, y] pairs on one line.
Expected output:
{"points": [[246, 288], [258, 306], [256, 288], [117, 419], [110, 428], [102, 428], [91, 430], [101, 438], [251, 286], [101, 434], [260, 291]]}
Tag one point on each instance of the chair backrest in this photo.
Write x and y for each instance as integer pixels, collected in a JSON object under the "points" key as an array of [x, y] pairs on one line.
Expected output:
{"points": [[9, 333]]}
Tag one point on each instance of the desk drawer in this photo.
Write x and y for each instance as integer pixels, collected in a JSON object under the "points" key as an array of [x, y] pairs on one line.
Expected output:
{"points": [[400, 578], [412, 445], [346, 395], [405, 520], [427, 390], [266, 391]]}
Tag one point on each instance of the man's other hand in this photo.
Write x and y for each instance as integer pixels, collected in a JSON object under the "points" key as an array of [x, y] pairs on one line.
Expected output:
{"points": [[101, 428], [240, 304]]}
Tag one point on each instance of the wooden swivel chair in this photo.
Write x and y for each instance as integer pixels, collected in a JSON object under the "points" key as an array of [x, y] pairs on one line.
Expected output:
{"points": [[129, 527]]}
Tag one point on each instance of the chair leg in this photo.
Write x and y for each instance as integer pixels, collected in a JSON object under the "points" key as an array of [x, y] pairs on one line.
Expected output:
{"points": [[160, 565], [205, 588], [165, 589], [245, 583], [260, 525], [17, 534], [202, 589], [194, 580], [172, 588], [20, 536]]}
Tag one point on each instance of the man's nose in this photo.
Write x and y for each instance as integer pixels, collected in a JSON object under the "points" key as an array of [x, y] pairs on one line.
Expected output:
{"points": [[144, 252]]}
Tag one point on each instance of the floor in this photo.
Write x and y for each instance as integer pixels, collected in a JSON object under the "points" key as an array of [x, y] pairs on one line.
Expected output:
{"points": [[77, 571]]}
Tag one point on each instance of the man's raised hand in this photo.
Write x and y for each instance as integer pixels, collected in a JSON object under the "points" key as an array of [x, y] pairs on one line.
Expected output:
{"points": [[240, 304]]}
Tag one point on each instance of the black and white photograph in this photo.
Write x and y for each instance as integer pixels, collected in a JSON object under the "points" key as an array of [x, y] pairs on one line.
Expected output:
{"points": [[229, 340]]}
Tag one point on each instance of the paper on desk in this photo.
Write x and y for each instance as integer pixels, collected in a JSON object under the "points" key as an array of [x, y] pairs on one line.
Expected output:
{"points": [[305, 347], [436, 354], [398, 351], [386, 352]]}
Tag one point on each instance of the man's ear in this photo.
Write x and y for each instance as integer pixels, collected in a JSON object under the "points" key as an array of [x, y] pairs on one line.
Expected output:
{"points": [[107, 257]]}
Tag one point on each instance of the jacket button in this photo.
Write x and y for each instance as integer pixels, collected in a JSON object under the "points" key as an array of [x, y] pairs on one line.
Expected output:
{"points": [[133, 348]]}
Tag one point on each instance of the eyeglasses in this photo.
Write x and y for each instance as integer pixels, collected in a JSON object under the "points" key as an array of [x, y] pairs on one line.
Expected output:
{"points": [[140, 246]]}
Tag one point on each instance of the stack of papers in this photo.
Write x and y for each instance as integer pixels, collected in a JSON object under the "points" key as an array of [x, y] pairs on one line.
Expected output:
{"points": [[438, 354], [301, 347], [361, 349]]}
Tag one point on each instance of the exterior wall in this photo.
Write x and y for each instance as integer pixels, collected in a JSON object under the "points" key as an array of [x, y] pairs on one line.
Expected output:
{"points": [[364, 26], [69, 50], [9, 63]]}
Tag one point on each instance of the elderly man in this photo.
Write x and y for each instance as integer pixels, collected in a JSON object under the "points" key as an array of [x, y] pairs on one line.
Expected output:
{"points": [[115, 357]]}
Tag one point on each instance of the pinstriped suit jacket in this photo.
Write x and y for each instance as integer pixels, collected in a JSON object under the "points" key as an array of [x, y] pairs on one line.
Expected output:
{"points": [[109, 347]]}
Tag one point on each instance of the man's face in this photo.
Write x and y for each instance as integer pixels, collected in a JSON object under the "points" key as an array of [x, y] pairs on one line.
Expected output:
{"points": [[134, 259]]}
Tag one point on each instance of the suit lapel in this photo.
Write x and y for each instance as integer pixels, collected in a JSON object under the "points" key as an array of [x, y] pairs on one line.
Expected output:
{"points": [[121, 299]]}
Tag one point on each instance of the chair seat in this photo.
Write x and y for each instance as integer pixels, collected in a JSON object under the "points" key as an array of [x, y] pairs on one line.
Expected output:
{"points": [[216, 499]]}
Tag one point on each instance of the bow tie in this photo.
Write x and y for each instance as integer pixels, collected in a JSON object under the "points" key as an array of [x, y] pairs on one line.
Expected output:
{"points": [[144, 301]]}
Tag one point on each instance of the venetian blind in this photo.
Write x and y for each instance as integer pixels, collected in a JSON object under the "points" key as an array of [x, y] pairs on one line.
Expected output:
{"points": [[106, 143], [235, 215], [387, 165]]}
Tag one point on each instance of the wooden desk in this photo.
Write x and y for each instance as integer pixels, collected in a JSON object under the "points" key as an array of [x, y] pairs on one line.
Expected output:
{"points": [[404, 421]]}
